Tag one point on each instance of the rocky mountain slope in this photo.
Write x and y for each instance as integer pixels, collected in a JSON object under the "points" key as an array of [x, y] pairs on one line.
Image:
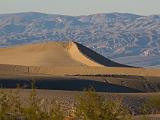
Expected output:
{"points": [[114, 35]]}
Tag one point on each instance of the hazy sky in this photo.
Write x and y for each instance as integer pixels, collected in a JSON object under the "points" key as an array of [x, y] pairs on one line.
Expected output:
{"points": [[81, 7]]}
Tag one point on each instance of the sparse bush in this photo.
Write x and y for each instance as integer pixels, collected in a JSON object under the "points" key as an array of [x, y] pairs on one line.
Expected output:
{"points": [[152, 105], [33, 110], [36, 108], [10, 106], [55, 112], [42, 109], [143, 117], [91, 106]]}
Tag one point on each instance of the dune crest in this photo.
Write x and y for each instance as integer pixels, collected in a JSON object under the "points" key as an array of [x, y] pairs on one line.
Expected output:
{"points": [[89, 57], [78, 56]]}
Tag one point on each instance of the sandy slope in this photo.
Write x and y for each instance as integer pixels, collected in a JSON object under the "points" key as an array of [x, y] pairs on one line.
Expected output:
{"points": [[62, 58], [78, 56], [44, 54], [53, 54]]}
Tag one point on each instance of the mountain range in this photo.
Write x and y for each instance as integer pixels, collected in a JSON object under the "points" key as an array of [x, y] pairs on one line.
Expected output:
{"points": [[127, 38]]}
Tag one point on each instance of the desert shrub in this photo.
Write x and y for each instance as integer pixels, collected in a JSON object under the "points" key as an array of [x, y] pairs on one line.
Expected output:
{"points": [[143, 117], [12, 108], [42, 109], [55, 112], [32, 111], [151, 105], [91, 106]]}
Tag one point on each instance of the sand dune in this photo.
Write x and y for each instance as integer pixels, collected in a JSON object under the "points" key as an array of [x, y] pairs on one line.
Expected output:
{"points": [[53, 54], [43, 54], [62, 58]]}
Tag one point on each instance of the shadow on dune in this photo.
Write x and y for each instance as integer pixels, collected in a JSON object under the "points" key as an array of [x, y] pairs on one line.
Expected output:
{"points": [[97, 57], [79, 85], [66, 84]]}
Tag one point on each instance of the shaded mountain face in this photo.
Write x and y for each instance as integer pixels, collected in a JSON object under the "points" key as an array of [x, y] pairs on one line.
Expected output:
{"points": [[113, 35]]}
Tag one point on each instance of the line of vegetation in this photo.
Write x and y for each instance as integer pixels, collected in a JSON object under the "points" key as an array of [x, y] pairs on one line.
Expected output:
{"points": [[112, 75], [89, 106]]}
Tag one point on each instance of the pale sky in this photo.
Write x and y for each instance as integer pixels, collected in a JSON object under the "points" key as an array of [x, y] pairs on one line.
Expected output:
{"points": [[81, 7]]}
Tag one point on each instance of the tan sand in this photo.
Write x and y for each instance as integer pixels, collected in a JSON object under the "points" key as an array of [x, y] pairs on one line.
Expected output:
{"points": [[78, 56], [45, 54], [62, 58], [52, 54]]}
